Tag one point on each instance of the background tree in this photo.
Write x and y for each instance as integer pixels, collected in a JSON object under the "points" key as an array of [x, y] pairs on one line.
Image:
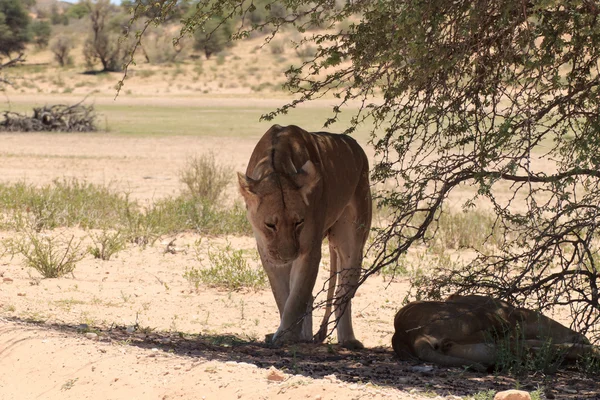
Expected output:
{"points": [[14, 27], [496, 97], [78, 10], [41, 31], [61, 47], [103, 43], [214, 37], [58, 17]]}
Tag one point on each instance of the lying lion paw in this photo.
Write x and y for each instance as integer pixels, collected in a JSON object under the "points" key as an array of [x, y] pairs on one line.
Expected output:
{"points": [[352, 344]]}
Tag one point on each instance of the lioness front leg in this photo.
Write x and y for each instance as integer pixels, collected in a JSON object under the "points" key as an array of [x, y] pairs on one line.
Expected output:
{"points": [[279, 280], [294, 325]]}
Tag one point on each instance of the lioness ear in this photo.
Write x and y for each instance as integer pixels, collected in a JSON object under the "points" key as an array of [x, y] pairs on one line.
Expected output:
{"points": [[307, 178], [246, 186]]}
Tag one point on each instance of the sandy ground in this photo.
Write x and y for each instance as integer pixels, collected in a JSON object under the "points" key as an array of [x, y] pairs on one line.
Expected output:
{"points": [[134, 328]]}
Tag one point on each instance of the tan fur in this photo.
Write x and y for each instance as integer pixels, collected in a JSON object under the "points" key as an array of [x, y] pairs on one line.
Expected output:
{"points": [[459, 331], [300, 187]]}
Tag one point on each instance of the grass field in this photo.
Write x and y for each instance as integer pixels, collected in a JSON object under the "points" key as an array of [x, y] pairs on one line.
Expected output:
{"points": [[235, 120]]}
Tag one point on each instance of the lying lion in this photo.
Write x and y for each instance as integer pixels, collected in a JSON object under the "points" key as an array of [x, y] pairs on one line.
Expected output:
{"points": [[461, 330]]}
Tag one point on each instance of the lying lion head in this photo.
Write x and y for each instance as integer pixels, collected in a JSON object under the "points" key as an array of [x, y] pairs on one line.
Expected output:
{"points": [[278, 206]]}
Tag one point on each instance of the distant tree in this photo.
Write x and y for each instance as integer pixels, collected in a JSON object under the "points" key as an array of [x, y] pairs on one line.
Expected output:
{"points": [[215, 36], [14, 27], [156, 9], [78, 10], [41, 31], [103, 43], [61, 47], [57, 17]]}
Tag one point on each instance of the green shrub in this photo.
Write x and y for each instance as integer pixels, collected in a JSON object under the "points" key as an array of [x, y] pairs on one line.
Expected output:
{"points": [[514, 357], [106, 244], [228, 269], [204, 178], [140, 228], [51, 256], [277, 46]]}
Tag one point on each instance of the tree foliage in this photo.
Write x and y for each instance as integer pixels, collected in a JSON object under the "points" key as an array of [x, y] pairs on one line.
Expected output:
{"points": [[104, 42], [78, 10], [57, 17], [41, 31], [61, 47], [14, 27], [498, 100], [214, 37]]}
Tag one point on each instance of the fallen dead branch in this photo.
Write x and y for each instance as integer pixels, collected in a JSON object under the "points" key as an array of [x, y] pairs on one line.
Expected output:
{"points": [[75, 118]]}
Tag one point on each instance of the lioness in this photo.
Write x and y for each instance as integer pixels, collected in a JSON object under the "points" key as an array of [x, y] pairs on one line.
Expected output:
{"points": [[300, 187], [459, 331]]}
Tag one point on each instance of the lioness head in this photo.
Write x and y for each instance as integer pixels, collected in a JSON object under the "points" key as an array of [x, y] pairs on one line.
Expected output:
{"points": [[277, 207]]}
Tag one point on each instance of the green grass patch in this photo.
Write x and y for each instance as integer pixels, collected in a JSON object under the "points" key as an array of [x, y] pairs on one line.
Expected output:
{"points": [[60, 203], [470, 229], [176, 214], [69, 203], [228, 269]]}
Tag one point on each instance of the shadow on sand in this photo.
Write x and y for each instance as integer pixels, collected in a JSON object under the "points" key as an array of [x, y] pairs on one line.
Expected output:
{"points": [[379, 366]]}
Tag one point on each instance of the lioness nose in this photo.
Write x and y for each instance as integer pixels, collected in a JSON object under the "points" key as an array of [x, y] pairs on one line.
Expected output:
{"points": [[288, 253]]}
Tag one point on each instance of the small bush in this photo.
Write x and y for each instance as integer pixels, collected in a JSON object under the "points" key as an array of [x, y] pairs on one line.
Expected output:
{"points": [[514, 357], [306, 51], [484, 395], [590, 363], [106, 244], [160, 49], [229, 269], [141, 229], [52, 257], [204, 178], [277, 47]]}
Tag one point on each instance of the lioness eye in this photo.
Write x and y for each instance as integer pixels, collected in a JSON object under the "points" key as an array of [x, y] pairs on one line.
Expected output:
{"points": [[270, 226], [299, 223]]}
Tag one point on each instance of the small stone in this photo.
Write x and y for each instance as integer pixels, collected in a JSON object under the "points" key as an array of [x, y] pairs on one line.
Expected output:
{"points": [[20, 294], [7, 280], [130, 329], [569, 390], [245, 364], [83, 327], [424, 369], [154, 349], [318, 397], [275, 375], [164, 340], [91, 336], [331, 378], [512, 395]]}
